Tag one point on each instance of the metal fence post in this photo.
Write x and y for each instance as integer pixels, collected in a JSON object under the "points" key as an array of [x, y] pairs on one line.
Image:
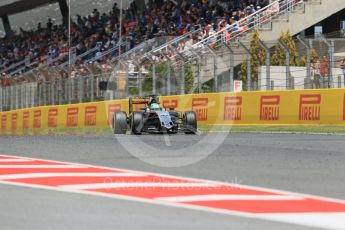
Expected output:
{"points": [[287, 63], [21, 96], [168, 78], [183, 79], [198, 70], [232, 67], [115, 77], [92, 88], [168, 81], [268, 64], [12, 97], [80, 88], [330, 60], [214, 69], [1, 99], [97, 87], [7, 98], [26, 95], [308, 61], [53, 92], [32, 93], [154, 79], [49, 92], [60, 91], [17, 88], [249, 67], [331, 65], [16, 92], [45, 92], [199, 75], [140, 83], [69, 84], [127, 82], [39, 93]]}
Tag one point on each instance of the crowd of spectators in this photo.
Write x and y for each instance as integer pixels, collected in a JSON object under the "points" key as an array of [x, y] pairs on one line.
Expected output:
{"points": [[161, 18]]}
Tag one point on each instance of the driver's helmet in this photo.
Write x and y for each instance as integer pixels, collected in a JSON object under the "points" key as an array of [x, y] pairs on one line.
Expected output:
{"points": [[155, 106]]}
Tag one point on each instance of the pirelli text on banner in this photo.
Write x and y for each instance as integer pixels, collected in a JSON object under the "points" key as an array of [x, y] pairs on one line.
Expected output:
{"points": [[170, 104], [37, 119], [310, 107], [90, 116], [26, 120], [72, 117], [233, 108], [270, 108], [53, 117], [200, 107], [112, 108]]}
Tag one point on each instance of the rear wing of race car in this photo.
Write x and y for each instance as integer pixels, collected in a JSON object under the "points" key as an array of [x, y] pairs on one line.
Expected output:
{"points": [[141, 101]]}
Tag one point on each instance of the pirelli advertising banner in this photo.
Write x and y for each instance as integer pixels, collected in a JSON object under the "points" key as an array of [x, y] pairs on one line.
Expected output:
{"points": [[86, 115], [307, 107], [300, 107]]}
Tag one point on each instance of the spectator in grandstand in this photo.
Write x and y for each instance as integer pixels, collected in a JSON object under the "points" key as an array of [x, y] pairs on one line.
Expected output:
{"points": [[162, 18], [342, 66], [5, 80], [324, 70]]}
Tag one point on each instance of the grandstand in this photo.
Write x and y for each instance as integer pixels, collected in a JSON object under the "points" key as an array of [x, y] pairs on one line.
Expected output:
{"points": [[205, 40]]}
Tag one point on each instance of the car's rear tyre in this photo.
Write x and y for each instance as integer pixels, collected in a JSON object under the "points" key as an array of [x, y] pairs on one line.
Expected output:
{"points": [[137, 123], [119, 123], [191, 123]]}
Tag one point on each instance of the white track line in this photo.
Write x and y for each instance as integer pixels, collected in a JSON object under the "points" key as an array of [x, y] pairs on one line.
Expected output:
{"points": [[135, 185], [45, 175], [216, 197], [319, 220], [15, 160], [41, 167]]}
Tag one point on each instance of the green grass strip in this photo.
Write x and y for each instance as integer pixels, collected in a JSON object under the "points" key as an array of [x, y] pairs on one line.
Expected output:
{"points": [[202, 129]]}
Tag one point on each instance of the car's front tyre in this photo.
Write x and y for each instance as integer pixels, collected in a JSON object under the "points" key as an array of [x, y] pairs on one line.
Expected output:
{"points": [[119, 123], [190, 122], [137, 122]]}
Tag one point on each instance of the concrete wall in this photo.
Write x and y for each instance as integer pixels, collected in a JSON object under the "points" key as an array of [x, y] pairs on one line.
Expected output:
{"points": [[299, 20]]}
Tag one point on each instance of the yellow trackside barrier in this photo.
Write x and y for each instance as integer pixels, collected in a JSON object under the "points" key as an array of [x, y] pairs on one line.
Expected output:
{"points": [[305, 107]]}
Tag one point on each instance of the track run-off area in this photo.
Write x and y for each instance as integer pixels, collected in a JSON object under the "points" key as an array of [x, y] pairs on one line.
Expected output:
{"points": [[248, 181]]}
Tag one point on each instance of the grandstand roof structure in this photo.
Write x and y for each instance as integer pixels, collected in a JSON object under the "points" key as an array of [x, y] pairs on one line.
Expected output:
{"points": [[16, 7], [19, 6], [27, 14]]}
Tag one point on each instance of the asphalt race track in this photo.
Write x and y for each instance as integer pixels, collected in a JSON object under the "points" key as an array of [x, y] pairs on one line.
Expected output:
{"points": [[308, 164]]}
